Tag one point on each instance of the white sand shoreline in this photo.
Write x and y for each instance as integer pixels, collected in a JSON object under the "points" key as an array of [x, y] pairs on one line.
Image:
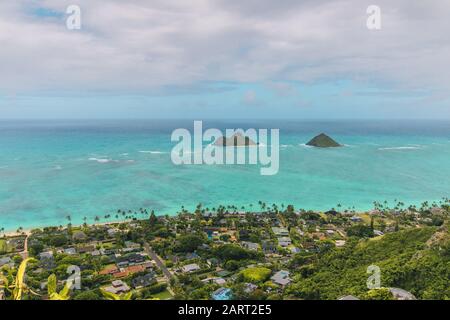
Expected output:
{"points": [[27, 231]]}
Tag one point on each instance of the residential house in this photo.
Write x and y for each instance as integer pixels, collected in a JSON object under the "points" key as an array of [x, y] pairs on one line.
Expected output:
{"points": [[250, 287], [70, 251], [280, 232], [284, 241], [216, 280], [269, 247], [281, 278], [86, 249], [144, 281], [295, 250], [112, 232], [132, 270], [212, 262], [46, 255], [348, 297], [117, 287], [79, 236], [109, 269], [340, 243], [6, 261], [378, 232], [250, 245], [189, 268], [401, 294], [192, 255], [132, 245]]}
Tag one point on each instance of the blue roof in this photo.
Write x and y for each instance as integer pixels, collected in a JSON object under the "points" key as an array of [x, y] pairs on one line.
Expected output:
{"points": [[222, 294]]}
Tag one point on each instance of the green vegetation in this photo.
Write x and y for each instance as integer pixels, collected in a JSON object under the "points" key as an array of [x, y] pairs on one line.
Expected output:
{"points": [[379, 294], [405, 260], [164, 295], [188, 243], [3, 246], [323, 141], [275, 253], [256, 274]]}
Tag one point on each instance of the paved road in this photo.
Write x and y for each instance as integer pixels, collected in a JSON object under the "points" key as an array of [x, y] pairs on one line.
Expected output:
{"points": [[158, 261], [24, 253]]}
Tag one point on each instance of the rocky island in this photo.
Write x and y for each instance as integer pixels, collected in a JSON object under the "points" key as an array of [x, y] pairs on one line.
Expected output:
{"points": [[323, 141], [236, 140]]}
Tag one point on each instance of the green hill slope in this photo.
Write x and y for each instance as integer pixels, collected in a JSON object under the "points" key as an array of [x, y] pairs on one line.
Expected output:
{"points": [[417, 260]]}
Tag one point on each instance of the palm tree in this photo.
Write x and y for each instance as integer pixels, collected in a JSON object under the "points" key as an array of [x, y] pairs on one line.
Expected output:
{"points": [[64, 294], [112, 296], [18, 286]]}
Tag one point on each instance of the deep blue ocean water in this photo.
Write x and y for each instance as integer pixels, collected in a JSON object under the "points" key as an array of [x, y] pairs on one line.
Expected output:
{"points": [[51, 169]]}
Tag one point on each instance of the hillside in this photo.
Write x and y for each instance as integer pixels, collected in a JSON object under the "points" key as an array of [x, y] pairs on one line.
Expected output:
{"points": [[417, 260]]}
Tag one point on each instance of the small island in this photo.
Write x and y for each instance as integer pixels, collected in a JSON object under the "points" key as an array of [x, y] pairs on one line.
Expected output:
{"points": [[236, 140], [323, 141]]}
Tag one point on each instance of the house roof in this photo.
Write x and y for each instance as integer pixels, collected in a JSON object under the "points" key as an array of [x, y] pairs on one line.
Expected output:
{"points": [[401, 294], [348, 297], [281, 277], [117, 286], [5, 260], [144, 281], [135, 269], [109, 269], [191, 267]]}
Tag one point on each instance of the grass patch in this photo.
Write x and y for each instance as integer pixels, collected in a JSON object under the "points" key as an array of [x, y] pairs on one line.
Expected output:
{"points": [[3, 246], [165, 295], [257, 274]]}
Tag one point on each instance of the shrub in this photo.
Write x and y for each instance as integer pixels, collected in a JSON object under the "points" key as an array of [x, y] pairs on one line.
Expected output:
{"points": [[256, 274]]}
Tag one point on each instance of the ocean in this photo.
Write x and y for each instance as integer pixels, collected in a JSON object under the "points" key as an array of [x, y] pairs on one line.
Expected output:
{"points": [[52, 169]]}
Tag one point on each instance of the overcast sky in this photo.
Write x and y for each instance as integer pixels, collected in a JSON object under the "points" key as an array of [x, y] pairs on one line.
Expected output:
{"points": [[225, 58]]}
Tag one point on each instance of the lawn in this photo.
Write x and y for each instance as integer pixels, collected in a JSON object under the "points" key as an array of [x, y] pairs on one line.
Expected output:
{"points": [[165, 295], [3, 246], [108, 244], [257, 274]]}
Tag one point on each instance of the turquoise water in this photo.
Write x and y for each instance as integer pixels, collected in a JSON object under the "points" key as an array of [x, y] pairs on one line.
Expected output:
{"points": [[51, 169]]}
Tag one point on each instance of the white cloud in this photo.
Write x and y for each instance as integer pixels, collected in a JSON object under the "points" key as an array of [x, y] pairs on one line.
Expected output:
{"points": [[139, 45]]}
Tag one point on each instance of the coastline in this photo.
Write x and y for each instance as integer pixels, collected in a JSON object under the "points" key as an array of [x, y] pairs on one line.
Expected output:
{"points": [[27, 231]]}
